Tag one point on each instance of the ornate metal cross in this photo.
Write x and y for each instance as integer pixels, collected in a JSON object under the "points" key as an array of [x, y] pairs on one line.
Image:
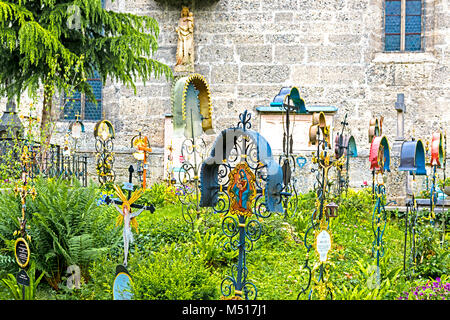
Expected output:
{"points": [[104, 135], [242, 182], [319, 135]]}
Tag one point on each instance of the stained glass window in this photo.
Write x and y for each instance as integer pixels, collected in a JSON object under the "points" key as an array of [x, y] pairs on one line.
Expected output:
{"points": [[413, 25], [88, 110], [92, 110], [392, 25], [403, 25], [72, 106]]}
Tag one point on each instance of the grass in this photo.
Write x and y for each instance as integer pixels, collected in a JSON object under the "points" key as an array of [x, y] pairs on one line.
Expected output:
{"points": [[274, 264]]}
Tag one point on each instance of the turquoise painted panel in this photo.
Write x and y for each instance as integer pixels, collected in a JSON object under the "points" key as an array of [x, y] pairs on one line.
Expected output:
{"points": [[122, 287]]}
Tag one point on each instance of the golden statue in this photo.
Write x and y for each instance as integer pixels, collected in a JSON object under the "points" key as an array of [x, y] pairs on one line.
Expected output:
{"points": [[185, 49]]}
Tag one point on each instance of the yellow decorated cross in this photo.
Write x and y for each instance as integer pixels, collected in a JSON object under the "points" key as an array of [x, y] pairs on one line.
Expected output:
{"points": [[127, 217], [126, 204]]}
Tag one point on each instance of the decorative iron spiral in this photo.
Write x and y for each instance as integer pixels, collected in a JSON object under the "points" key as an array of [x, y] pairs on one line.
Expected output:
{"points": [[105, 160], [379, 219], [193, 152], [241, 231]]}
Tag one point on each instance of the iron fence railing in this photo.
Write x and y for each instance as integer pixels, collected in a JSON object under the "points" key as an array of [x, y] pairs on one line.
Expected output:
{"points": [[52, 163]]}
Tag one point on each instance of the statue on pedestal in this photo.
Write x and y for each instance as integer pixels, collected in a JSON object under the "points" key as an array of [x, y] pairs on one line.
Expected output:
{"points": [[185, 48]]}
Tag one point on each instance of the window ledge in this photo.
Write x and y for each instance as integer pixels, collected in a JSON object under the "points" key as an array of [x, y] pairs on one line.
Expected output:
{"points": [[404, 57]]}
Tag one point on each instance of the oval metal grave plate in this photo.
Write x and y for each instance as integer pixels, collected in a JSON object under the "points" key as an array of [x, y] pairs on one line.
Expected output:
{"points": [[122, 284], [22, 252]]}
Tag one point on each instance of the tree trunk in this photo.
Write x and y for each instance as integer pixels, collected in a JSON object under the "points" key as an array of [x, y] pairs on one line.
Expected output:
{"points": [[46, 127]]}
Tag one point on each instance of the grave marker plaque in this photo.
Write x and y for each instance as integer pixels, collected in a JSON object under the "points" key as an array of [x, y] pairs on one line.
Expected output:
{"points": [[323, 245], [122, 284], [23, 278], [22, 252]]}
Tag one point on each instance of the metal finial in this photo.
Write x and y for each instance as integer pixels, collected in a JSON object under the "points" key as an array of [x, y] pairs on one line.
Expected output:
{"points": [[244, 120]]}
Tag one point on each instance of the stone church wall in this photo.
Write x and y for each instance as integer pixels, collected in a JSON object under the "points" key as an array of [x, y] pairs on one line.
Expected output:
{"points": [[332, 50]]}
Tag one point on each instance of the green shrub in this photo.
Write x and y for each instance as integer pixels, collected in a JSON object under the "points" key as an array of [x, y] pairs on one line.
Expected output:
{"points": [[165, 226], [15, 290], [208, 246], [159, 194], [371, 284], [174, 273], [438, 289], [356, 205], [99, 286], [9, 214], [432, 260], [61, 227]]}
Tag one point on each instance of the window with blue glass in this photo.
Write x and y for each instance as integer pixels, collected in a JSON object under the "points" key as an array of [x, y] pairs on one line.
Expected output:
{"points": [[403, 25], [78, 104], [72, 106], [93, 110]]}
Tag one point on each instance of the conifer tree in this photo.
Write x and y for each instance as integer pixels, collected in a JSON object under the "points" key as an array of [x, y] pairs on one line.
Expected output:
{"points": [[56, 45]]}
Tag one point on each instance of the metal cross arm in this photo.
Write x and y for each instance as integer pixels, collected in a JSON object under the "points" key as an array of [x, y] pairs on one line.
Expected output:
{"points": [[150, 207], [260, 191], [146, 149]]}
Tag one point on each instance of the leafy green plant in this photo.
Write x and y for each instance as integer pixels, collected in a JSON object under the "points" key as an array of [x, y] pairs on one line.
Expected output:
{"points": [[9, 213], [7, 265], [209, 248], [99, 286], [207, 245], [174, 273], [438, 289], [373, 284], [432, 260], [355, 205], [16, 290], [444, 183], [159, 194], [61, 228]]}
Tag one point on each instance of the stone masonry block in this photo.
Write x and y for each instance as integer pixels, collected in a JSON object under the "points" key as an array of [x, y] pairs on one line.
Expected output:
{"points": [[254, 53], [227, 73], [289, 54], [264, 73]]}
